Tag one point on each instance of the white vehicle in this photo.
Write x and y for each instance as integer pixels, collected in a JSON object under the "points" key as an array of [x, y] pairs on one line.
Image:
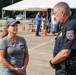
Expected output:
{"points": [[6, 17], [19, 17]]}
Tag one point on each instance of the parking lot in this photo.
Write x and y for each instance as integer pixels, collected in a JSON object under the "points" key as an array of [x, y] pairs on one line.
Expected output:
{"points": [[40, 52]]}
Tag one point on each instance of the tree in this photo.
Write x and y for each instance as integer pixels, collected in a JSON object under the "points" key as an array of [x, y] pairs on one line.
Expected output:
{"points": [[4, 3], [1, 4]]}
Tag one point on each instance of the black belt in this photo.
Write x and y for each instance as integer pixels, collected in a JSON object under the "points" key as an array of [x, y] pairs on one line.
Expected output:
{"points": [[68, 65], [71, 64]]}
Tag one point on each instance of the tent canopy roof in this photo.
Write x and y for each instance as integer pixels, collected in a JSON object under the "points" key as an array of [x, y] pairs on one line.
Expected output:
{"points": [[36, 5]]}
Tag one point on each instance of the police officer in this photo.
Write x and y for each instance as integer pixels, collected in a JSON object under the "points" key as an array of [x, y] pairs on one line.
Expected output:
{"points": [[64, 54]]}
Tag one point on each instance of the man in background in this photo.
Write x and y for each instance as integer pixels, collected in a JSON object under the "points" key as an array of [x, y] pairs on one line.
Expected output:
{"points": [[38, 23]]}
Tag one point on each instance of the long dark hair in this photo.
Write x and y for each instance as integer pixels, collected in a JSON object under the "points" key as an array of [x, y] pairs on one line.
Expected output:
{"points": [[4, 33]]}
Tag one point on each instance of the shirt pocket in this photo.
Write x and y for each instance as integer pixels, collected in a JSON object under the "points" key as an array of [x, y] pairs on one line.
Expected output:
{"points": [[59, 43]]}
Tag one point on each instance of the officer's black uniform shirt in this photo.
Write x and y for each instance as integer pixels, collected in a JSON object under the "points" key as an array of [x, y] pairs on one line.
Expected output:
{"points": [[66, 38]]}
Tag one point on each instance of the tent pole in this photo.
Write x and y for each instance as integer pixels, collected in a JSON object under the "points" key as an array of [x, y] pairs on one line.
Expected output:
{"points": [[2, 17], [51, 19], [24, 13]]}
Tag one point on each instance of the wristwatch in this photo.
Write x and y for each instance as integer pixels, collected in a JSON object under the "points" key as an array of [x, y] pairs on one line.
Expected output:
{"points": [[51, 63]]}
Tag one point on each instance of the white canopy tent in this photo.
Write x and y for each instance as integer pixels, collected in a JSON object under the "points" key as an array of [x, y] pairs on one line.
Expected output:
{"points": [[35, 5], [29, 5]]}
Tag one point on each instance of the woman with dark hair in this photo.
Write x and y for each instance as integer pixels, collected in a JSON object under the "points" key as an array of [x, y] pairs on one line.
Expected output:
{"points": [[13, 50]]}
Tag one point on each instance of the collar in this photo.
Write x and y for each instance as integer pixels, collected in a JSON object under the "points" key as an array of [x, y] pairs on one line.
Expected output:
{"points": [[64, 24]]}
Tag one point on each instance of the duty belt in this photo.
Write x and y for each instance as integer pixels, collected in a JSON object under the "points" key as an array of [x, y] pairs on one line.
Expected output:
{"points": [[68, 64], [71, 64]]}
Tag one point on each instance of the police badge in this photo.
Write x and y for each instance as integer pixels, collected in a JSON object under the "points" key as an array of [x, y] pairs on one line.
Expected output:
{"points": [[60, 34], [70, 34]]}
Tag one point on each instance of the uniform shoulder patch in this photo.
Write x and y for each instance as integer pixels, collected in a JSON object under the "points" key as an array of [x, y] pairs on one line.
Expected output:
{"points": [[70, 34]]}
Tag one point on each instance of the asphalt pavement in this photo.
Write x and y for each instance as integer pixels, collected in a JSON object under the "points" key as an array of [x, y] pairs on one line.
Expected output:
{"points": [[40, 52]]}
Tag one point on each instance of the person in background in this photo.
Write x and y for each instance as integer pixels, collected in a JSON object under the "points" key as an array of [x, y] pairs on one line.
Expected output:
{"points": [[13, 50], [49, 19], [53, 25], [64, 54], [38, 23], [43, 23], [49, 25]]}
